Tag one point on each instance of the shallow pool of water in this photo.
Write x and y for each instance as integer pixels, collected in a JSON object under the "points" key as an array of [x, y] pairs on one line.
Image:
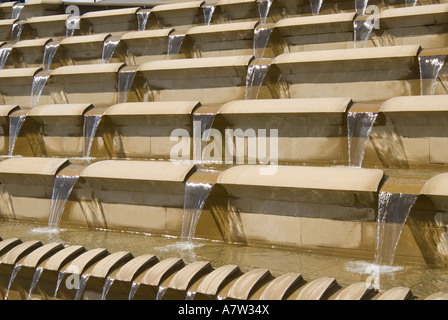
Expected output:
{"points": [[422, 280]]}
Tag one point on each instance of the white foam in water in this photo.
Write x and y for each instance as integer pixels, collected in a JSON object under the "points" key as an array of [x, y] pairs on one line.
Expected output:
{"points": [[45, 230], [363, 267]]}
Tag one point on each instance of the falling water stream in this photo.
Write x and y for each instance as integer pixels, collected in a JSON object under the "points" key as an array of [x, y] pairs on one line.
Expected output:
{"points": [[161, 293], [261, 38], [430, 67], [133, 291], [263, 9], [91, 123], [58, 283], [16, 31], [36, 277], [109, 47], [254, 79], [15, 124], [202, 124], [393, 211], [142, 18], [359, 127], [125, 80], [361, 31], [174, 44], [16, 10], [49, 53], [82, 286], [315, 6], [71, 25], [62, 188], [37, 88], [14, 273], [4, 54], [208, 14], [107, 285]]}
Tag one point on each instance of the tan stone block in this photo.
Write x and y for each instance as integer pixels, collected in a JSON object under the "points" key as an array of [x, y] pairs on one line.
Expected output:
{"points": [[438, 150], [120, 216], [331, 233], [417, 150], [31, 208], [317, 148], [174, 220]]}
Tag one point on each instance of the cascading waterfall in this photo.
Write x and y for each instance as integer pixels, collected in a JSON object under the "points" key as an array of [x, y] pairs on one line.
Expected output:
{"points": [[125, 80], [62, 188], [133, 291], [142, 18], [315, 6], [71, 25], [393, 211], [91, 123], [36, 277], [109, 47], [15, 124], [58, 284], [4, 54], [82, 286], [254, 79], [107, 284], [208, 14], [14, 273], [37, 88], [261, 38], [49, 53], [430, 67], [16, 10], [161, 293], [202, 123], [361, 31], [196, 194], [16, 31], [174, 44], [359, 127], [263, 9]]}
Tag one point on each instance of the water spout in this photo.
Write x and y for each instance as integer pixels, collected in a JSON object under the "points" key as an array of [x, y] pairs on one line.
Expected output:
{"points": [[82, 286], [49, 53], [16, 9], [411, 3], [190, 295], [430, 67], [106, 288], [161, 293], [174, 44], [359, 127], [393, 211], [14, 273], [34, 282], [361, 32], [16, 31], [91, 123], [196, 194], [63, 186], [58, 284], [37, 88], [109, 47], [361, 6], [4, 54], [125, 80], [254, 79], [202, 124], [15, 124], [208, 14], [315, 6], [261, 38], [142, 18], [263, 9], [71, 25], [133, 291]]}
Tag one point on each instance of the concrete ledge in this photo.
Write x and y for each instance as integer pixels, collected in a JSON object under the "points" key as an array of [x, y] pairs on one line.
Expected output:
{"points": [[60, 110], [35, 166], [152, 108]]}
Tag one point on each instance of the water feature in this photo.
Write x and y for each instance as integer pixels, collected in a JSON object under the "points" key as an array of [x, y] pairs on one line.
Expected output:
{"points": [[430, 67], [254, 79], [71, 25], [16, 9], [15, 124], [49, 53], [142, 18], [411, 3], [208, 14], [361, 6], [125, 80], [393, 211], [133, 291], [263, 9], [196, 194], [202, 124], [190, 295], [14, 273], [16, 31], [58, 283], [261, 38], [361, 31], [174, 44], [315, 6], [161, 293], [91, 123], [107, 284], [359, 127], [36, 277], [4, 54], [39, 82], [62, 188], [109, 47], [82, 286]]}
